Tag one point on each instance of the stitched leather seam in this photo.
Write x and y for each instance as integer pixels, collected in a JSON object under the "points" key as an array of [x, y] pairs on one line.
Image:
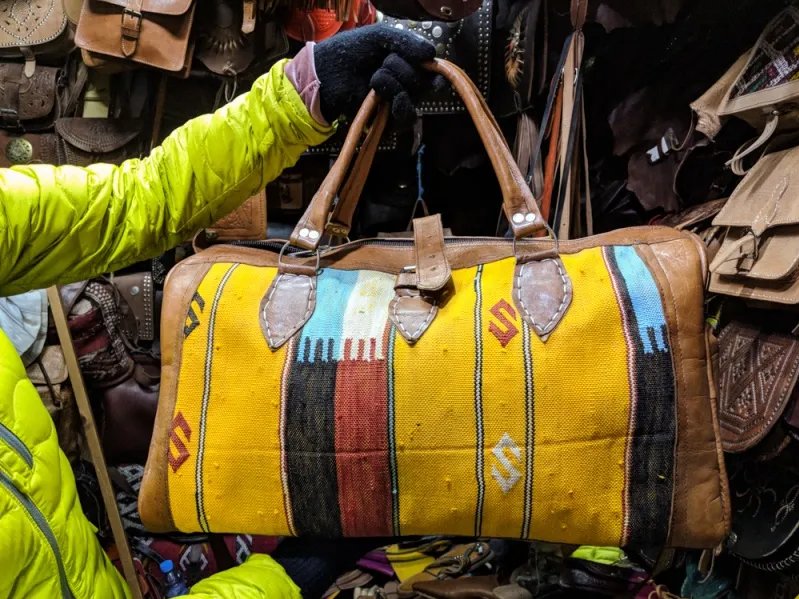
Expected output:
{"points": [[682, 382], [518, 284], [304, 319], [422, 327]]}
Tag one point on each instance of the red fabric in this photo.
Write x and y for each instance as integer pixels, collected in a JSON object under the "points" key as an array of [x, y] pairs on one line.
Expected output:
{"points": [[362, 459], [311, 26], [363, 13]]}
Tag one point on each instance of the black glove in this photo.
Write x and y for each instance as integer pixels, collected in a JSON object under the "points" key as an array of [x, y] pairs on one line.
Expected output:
{"points": [[378, 56]]}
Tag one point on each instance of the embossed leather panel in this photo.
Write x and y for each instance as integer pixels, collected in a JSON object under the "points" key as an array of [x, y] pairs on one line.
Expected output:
{"points": [[40, 25], [758, 373]]}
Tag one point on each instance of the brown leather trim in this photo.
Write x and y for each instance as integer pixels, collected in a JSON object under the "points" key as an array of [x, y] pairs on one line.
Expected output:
{"points": [[701, 513], [286, 307], [464, 254], [181, 283], [432, 270], [341, 219]]}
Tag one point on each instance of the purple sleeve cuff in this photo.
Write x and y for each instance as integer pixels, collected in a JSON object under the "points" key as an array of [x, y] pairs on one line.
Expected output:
{"points": [[301, 71]]}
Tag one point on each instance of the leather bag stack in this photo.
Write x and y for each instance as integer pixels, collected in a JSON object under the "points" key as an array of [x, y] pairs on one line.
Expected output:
{"points": [[462, 386]]}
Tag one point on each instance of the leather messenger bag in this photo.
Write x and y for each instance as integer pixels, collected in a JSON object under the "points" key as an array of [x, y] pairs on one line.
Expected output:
{"points": [[465, 386], [149, 32]]}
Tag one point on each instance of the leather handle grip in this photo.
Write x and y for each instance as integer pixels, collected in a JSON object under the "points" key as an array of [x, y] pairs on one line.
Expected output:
{"points": [[518, 201], [340, 223]]}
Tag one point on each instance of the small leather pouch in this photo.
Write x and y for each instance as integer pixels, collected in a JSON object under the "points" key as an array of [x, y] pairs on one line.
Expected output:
{"points": [[757, 377], [759, 258], [27, 103], [76, 141], [150, 32], [247, 222]]}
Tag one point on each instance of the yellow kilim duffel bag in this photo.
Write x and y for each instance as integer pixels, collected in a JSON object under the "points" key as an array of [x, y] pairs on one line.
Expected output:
{"points": [[467, 386]]}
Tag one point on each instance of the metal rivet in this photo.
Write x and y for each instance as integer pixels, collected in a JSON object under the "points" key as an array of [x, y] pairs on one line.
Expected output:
{"points": [[399, 26], [440, 49], [412, 24], [313, 234], [517, 218], [437, 31], [427, 24], [305, 232], [530, 217], [134, 290], [446, 11]]}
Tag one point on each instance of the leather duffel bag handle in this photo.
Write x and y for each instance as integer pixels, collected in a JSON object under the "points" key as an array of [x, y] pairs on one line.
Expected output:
{"points": [[518, 201], [340, 222]]}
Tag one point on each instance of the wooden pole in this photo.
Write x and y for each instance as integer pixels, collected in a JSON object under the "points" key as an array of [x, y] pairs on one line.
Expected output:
{"points": [[93, 441]]}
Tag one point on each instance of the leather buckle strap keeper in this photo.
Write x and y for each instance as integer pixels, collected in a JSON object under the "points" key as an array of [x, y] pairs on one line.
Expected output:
{"points": [[131, 27]]}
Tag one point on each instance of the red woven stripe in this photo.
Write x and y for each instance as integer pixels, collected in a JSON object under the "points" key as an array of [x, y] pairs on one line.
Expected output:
{"points": [[362, 460]]}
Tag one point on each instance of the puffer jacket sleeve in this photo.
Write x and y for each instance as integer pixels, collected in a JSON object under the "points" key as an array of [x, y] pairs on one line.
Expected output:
{"points": [[63, 224], [260, 577]]}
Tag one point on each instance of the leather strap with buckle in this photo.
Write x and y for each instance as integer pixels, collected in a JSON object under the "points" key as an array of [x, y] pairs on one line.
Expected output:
{"points": [[131, 27]]}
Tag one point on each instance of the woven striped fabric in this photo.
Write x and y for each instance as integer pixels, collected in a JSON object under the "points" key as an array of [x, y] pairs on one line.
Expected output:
{"points": [[477, 429]]}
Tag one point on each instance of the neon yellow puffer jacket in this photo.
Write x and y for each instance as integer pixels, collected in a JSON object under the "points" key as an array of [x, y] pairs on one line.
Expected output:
{"points": [[66, 224]]}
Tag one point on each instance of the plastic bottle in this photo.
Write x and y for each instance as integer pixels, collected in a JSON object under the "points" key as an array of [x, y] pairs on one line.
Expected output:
{"points": [[175, 583]]}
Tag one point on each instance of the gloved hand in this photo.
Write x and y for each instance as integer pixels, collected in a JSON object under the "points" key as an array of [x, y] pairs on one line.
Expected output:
{"points": [[378, 56]]}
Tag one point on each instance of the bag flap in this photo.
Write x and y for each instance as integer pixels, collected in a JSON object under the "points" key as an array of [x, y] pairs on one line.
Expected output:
{"points": [[161, 7], [777, 255], [766, 197], [35, 22], [98, 136], [32, 98], [769, 77]]}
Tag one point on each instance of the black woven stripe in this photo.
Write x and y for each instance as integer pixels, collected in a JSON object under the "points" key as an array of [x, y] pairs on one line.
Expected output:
{"points": [[311, 442], [651, 475], [478, 400]]}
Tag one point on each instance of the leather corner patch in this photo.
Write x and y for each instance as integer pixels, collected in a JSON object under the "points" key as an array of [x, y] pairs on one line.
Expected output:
{"points": [[542, 291], [412, 314], [288, 304]]}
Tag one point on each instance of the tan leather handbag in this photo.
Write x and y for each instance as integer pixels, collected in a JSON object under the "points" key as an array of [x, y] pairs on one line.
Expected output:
{"points": [[759, 258], [149, 32], [765, 89], [440, 385]]}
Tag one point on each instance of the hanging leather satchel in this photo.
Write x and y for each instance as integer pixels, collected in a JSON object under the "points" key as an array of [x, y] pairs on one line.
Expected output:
{"points": [[149, 32], [765, 90], [759, 258], [465, 386]]}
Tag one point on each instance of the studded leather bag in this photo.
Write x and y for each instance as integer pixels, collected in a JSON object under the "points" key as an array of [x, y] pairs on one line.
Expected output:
{"points": [[149, 32], [465, 42], [432, 385], [33, 28]]}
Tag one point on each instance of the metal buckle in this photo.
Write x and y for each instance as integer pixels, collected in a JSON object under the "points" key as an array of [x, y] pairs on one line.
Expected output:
{"points": [[283, 250], [128, 12]]}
